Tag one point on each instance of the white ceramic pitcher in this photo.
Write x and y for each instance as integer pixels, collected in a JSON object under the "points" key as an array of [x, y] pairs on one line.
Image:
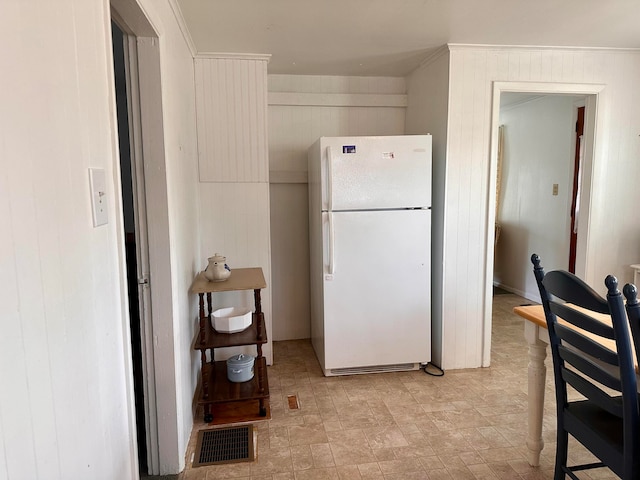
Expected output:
{"points": [[217, 270]]}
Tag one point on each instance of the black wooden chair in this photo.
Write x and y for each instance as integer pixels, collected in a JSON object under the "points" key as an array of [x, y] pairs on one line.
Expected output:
{"points": [[633, 314], [605, 418]]}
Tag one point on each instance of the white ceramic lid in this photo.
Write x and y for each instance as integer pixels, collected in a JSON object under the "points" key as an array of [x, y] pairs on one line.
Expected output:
{"points": [[240, 360]]}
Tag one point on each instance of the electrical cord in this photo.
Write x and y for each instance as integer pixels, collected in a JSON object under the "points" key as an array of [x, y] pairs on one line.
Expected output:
{"points": [[431, 369]]}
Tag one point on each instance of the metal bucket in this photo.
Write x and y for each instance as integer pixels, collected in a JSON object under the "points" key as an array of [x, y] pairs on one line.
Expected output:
{"points": [[240, 368]]}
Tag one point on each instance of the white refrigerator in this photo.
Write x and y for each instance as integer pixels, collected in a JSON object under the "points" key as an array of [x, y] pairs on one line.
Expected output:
{"points": [[370, 248]]}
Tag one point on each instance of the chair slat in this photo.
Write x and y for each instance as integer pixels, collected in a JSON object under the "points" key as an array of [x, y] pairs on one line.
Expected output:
{"points": [[572, 289], [589, 368], [584, 343], [613, 405], [582, 320]]}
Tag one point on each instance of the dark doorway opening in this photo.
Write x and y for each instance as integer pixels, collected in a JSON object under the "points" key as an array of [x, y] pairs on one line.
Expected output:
{"points": [[126, 178]]}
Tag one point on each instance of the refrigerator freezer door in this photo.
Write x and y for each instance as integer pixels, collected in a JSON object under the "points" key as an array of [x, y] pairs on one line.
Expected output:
{"points": [[377, 306], [362, 173]]}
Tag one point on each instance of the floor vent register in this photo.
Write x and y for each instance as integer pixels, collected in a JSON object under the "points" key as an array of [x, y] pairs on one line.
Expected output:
{"points": [[224, 445]]}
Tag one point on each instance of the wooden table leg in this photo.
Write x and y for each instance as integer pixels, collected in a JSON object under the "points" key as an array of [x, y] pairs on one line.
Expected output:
{"points": [[537, 380]]}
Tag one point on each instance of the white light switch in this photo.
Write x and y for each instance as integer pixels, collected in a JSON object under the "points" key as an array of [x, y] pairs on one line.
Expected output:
{"points": [[98, 184]]}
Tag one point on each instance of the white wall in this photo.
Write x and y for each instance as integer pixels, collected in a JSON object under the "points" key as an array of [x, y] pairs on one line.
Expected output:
{"points": [[66, 410], [303, 108], [614, 227], [427, 112], [231, 96], [179, 118], [64, 343], [231, 114], [539, 139]]}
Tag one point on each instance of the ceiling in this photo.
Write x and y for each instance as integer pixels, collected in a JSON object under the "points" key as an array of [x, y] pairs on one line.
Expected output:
{"points": [[392, 37]]}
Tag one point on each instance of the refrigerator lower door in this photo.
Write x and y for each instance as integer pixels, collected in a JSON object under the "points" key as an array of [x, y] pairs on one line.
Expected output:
{"points": [[377, 301]]}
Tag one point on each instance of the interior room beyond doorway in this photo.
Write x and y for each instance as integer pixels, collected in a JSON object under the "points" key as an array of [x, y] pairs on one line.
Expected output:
{"points": [[534, 186]]}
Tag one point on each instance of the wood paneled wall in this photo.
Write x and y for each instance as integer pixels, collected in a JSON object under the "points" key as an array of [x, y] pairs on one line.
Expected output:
{"points": [[231, 95], [231, 106], [66, 402], [427, 112], [303, 108], [614, 192]]}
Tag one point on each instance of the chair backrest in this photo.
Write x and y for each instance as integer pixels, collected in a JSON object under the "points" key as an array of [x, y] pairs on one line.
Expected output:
{"points": [[633, 313], [579, 357]]}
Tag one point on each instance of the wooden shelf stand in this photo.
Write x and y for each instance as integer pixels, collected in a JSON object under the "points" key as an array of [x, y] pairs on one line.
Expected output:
{"points": [[216, 387]]}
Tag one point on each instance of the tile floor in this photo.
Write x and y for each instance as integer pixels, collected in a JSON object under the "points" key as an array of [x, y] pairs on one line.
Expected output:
{"points": [[467, 424]]}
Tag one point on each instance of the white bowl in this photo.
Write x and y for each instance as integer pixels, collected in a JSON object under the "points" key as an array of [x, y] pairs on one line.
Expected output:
{"points": [[231, 319]]}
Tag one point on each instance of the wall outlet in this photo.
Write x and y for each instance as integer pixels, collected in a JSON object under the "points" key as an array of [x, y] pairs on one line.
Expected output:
{"points": [[555, 189], [98, 186]]}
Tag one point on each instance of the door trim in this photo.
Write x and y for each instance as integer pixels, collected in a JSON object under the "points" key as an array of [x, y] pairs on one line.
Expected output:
{"points": [[169, 458], [594, 100], [142, 252]]}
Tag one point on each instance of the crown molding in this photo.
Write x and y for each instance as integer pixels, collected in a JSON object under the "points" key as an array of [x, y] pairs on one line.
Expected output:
{"points": [[182, 24], [433, 56], [265, 57], [471, 46]]}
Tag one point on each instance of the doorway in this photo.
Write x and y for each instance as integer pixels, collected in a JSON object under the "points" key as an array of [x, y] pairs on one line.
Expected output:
{"points": [[133, 247], [145, 219], [149, 184], [535, 189], [529, 289]]}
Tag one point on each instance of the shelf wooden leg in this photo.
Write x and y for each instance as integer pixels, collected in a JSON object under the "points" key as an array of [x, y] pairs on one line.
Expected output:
{"points": [[260, 327], [256, 300], [205, 374], [208, 416], [260, 381], [201, 304], [202, 319]]}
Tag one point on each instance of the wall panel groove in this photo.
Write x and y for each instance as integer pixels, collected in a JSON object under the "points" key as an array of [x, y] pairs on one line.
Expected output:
{"points": [[232, 136]]}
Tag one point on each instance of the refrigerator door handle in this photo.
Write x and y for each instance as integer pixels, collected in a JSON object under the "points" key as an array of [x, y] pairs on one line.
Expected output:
{"points": [[331, 247], [329, 179], [330, 211]]}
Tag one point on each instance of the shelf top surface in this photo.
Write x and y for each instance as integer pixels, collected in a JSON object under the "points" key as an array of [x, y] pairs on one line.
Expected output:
{"points": [[240, 279]]}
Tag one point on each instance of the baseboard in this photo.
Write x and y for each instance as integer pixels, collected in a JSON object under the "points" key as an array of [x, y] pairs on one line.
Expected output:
{"points": [[516, 291]]}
